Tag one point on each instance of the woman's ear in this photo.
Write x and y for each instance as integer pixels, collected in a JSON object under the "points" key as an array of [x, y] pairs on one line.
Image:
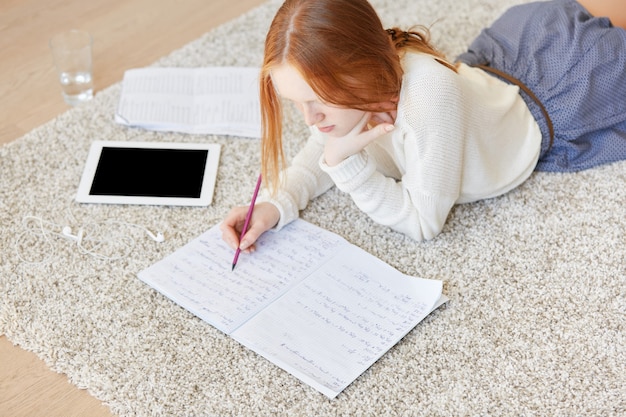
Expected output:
{"points": [[384, 106], [382, 118]]}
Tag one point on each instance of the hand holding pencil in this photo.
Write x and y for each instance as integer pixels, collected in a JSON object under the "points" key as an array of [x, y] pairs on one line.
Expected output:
{"points": [[244, 224]]}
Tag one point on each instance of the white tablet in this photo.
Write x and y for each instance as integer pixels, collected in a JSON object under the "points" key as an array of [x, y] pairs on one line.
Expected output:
{"points": [[180, 174]]}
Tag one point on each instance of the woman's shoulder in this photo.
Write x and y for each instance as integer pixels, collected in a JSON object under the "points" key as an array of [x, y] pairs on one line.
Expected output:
{"points": [[423, 70], [426, 76], [419, 62]]}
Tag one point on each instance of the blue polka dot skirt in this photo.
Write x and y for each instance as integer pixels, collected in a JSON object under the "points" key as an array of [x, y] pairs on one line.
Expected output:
{"points": [[576, 65]]}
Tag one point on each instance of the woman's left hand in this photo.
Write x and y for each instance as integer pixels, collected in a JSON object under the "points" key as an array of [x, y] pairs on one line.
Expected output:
{"points": [[337, 149]]}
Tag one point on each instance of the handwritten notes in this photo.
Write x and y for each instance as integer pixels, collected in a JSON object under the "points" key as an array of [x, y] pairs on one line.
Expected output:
{"points": [[218, 100], [307, 300], [199, 275]]}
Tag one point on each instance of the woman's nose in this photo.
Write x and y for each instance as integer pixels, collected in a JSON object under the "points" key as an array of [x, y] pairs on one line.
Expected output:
{"points": [[311, 115]]}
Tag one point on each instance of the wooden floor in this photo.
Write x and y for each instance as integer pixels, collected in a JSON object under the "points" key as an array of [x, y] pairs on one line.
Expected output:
{"points": [[127, 34]]}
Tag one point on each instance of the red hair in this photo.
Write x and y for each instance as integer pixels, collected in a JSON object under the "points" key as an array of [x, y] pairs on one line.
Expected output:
{"points": [[342, 51]]}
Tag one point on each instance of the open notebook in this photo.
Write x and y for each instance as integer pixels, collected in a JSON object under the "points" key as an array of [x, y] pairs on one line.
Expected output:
{"points": [[317, 306]]}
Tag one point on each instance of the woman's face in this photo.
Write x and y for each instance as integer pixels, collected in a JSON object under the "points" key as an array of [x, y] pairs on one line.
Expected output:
{"points": [[329, 119]]}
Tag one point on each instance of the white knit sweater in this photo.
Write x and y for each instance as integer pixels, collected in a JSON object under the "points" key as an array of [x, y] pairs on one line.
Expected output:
{"points": [[459, 137]]}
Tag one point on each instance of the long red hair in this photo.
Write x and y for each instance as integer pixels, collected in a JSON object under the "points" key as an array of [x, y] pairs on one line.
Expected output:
{"points": [[341, 49]]}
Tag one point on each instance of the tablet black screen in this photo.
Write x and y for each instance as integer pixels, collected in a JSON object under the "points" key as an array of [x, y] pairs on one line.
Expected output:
{"points": [[150, 172]]}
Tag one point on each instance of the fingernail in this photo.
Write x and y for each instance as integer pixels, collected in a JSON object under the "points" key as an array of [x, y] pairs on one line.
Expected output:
{"points": [[389, 128]]}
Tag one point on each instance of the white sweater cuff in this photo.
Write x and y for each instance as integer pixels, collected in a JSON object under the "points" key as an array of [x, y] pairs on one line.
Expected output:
{"points": [[351, 173], [286, 207]]}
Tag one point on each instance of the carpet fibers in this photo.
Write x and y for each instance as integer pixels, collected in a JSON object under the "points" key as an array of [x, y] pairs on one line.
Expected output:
{"points": [[536, 278]]}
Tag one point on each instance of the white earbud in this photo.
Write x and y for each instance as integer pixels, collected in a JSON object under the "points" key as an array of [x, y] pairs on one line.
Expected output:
{"points": [[158, 238], [67, 232]]}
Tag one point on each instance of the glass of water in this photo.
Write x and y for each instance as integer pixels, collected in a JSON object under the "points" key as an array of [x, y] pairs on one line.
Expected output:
{"points": [[72, 57]]}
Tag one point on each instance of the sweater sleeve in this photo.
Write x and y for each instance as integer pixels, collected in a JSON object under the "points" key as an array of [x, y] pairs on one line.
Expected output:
{"points": [[302, 181], [430, 125]]}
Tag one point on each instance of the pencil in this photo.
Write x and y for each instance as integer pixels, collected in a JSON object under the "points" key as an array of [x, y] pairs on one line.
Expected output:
{"points": [[247, 221]]}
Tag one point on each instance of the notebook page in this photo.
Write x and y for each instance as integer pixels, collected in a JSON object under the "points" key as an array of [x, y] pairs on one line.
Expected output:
{"points": [[334, 325], [198, 276], [218, 100]]}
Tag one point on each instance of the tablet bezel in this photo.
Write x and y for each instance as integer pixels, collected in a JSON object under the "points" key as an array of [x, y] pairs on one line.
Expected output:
{"points": [[93, 158]]}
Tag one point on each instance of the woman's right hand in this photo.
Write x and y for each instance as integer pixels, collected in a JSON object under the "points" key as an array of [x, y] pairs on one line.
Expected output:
{"points": [[264, 217]]}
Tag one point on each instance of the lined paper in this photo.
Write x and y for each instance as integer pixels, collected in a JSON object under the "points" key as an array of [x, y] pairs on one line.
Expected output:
{"points": [[215, 100], [317, 306], [199, 275]]}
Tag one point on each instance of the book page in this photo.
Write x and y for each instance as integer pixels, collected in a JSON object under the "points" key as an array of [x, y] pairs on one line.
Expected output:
{"points": [[199, 277], [334, 325], [216, 100]]}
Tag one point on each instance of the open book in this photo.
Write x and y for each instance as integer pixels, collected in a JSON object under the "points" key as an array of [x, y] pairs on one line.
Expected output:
{"points": [[214, 100], [317, 306]]}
